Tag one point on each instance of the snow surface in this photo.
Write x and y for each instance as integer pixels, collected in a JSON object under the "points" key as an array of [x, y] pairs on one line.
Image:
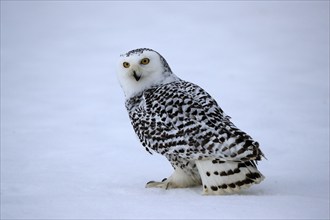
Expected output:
{"points": [[69, 151]]}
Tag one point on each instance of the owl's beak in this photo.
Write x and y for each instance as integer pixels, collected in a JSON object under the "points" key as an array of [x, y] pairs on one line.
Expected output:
{"points": [[136, 76]]}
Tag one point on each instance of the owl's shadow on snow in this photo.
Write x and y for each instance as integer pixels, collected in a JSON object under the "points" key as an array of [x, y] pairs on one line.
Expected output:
{"points": [[199, 191]]}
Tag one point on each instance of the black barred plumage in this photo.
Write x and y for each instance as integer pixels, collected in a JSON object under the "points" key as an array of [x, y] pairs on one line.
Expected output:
{"points": [[180, 117], [181, 121]]}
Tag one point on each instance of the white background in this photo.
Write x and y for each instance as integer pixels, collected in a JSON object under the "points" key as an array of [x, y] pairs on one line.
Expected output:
{"points": [[68, 149]]}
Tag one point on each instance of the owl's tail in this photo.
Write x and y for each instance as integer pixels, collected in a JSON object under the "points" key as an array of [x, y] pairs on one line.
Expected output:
{"points": [[224, 177]]}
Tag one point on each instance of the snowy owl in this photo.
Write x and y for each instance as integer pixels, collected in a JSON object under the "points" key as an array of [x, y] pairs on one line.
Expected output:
{"points": [[181, 121]]}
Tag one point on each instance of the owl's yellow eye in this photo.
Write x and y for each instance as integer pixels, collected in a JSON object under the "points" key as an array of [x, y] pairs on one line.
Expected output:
{"points": [[145, 61], [126, 64]]}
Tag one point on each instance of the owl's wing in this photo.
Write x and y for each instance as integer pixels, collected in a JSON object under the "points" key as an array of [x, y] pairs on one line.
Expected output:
{"points": [[182, 119]]}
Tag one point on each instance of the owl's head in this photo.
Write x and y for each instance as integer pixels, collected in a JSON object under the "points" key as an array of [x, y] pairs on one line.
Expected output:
{"points": [[141, 69]]}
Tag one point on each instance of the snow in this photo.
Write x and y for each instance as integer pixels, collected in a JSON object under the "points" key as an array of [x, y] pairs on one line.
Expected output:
{"points": [[68, 150]]}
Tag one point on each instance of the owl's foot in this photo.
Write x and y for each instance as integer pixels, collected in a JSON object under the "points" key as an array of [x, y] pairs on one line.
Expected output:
{"points": [[163, 184], [179, 179]]}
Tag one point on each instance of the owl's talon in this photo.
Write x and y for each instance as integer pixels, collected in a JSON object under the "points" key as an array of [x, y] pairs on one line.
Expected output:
{"points": [[164, 179], [150, 182]]}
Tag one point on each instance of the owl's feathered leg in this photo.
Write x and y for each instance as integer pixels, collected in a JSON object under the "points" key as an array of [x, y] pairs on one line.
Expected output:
{"points": [[225, 177], [179, 179]]}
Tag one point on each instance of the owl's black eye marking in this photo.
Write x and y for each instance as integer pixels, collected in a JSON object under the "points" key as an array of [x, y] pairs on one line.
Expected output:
{"points": [[126, 64], [145, 61]]}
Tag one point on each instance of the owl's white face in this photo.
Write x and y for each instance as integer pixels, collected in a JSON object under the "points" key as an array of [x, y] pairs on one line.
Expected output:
{"points": [[141, 70]]}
